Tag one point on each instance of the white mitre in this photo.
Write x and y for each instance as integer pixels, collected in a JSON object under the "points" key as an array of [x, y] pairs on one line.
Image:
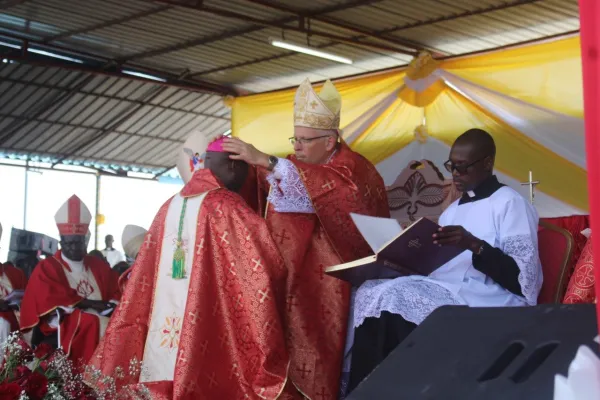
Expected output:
{"points": [[191, 155], [582, 381], [318, 111], [132, 239]]}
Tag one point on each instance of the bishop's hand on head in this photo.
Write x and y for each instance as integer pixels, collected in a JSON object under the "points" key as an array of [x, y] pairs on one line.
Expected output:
{"points": [[457, 236], [245, 152]]}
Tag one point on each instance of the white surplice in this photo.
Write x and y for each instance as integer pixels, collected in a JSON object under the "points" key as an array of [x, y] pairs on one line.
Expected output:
{"points": [[504, 220], [170, 298]]}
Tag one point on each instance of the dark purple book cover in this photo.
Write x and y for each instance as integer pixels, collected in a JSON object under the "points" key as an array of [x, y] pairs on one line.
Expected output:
{"points": [[411, 253]]}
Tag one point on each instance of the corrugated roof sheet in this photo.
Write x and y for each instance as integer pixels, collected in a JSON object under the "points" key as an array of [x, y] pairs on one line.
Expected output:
{"points": [[79, 116], [214, 47]]}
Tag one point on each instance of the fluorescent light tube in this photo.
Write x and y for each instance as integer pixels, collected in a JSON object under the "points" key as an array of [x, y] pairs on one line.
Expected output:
{"points": [[54, 55], [142, 75], [310, 51]]}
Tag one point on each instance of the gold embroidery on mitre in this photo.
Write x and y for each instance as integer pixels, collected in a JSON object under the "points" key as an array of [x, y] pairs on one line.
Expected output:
{"points": [[319, 111]]}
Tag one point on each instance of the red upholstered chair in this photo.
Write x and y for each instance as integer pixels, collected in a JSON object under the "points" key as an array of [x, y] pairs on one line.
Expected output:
{"points": [[581, 285], [555, 247]]}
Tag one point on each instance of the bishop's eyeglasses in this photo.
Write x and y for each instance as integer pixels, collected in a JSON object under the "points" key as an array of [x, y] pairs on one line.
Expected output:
{"points": [[293, 140]]}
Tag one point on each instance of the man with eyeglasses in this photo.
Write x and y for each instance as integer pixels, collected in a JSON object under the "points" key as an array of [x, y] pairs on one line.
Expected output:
{"points": [[497, 229], [312, 194]]}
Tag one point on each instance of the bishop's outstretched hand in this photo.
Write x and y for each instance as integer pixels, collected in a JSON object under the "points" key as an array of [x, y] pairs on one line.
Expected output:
{"points": [[246, 152]]}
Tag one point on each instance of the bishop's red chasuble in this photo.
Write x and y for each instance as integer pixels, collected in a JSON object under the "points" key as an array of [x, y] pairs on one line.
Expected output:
{"points": [[216, 332], [11, 278], [52, 285], [318, 305]]}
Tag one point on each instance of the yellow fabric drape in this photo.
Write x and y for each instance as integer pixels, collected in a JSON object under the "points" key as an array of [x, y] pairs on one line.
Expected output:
{"points": [[517, 154], [393, 130], [546, 74], [266, 120]]}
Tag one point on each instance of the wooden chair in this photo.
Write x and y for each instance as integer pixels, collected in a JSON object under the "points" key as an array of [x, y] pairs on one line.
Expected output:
{"points": [[555, 248]]}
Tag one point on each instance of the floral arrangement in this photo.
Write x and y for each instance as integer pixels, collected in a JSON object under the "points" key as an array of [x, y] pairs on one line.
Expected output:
{"points": [[47, 374]]}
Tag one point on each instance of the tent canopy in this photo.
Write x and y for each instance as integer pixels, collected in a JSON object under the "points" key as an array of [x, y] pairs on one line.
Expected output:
{"points": [[529, 98]]}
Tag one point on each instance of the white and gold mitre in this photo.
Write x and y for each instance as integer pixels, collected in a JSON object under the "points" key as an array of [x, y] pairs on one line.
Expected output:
{"points": [[318, 111]]}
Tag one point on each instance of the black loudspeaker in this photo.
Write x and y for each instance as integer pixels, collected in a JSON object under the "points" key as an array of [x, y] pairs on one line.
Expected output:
{"points": [[462, 353]]}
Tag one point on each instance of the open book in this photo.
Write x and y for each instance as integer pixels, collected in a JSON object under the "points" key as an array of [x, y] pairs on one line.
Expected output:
{"points": [[397, 252]]}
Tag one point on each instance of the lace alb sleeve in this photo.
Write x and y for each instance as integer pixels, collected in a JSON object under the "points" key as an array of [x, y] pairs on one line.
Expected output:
{"points": [[288, 194]]}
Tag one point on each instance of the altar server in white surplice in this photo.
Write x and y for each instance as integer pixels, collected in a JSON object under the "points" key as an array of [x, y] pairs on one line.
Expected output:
{"points": [[500, 266]]}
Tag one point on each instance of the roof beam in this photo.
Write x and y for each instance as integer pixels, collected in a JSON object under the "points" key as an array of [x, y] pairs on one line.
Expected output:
{"points": [[61, 155], [118, 119], [273, 24], [47, 103], [453, 17], [96, 64], [390, 30], [91, 128], [243, 31], [10, 3], [105, 24], [112, 97], [411, 46]]}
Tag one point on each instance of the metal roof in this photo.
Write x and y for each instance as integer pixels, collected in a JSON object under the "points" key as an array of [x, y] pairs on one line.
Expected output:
{"points": [[204, 50]]}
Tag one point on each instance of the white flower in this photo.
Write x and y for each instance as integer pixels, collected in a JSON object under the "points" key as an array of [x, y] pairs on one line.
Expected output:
{"points": [[583, 381]]}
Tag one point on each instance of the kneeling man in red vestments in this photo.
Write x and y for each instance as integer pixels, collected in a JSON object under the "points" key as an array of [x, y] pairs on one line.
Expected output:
{"points": [[202, 307], [70, 294]]}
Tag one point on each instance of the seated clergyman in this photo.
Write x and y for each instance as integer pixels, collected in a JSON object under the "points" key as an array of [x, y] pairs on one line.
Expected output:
{"points": [[500, 266]]}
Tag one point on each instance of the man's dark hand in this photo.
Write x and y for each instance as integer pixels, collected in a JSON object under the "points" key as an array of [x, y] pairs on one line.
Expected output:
{"points": [[457, 236], [4, 306]]}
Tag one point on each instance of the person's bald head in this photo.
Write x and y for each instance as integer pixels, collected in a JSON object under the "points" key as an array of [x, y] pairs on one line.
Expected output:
{"points": [[232, 173], [472, 159]]}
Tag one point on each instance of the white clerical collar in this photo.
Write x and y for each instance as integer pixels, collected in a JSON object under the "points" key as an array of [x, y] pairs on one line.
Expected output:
{"points": [[74, 265], [471, 193]]}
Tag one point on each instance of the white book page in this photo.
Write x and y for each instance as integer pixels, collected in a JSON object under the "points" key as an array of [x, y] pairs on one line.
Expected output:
{"points": [[376, 231]]}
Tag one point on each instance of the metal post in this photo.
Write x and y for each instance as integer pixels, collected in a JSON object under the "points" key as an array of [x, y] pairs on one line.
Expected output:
{"points": [[98, 176], [25, 195]]}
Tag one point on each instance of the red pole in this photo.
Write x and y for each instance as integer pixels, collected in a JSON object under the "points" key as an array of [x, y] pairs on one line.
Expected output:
{"points": [[589, 16]]}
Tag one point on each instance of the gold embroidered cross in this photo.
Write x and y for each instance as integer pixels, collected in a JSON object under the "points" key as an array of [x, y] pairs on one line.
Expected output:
{"points": [[199, 247], [149, 241], [224, 237], [257, 265], [234, 371], [238, 301], [264, 295], [144, 283], [211, 380], [193, 316], [181, 358], [268, 327], [368, 191], [328, 185], [304, 371], [232, 269], [261, 394], [204, 347]]}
